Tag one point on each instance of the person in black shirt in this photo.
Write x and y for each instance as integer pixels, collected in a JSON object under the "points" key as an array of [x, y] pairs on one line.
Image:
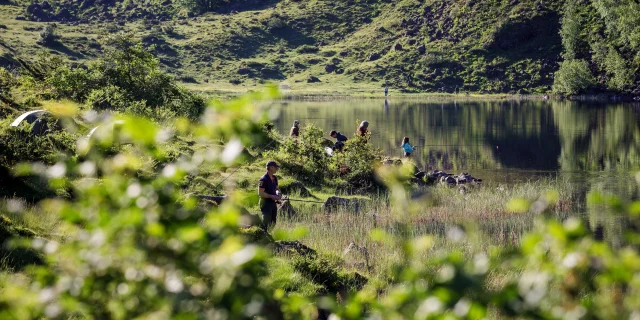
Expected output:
{"points": [[341, 139], [269, 193]]}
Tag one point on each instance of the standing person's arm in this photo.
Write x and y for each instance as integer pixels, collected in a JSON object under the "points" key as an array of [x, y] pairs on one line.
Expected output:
{"points": [[263, 194]]}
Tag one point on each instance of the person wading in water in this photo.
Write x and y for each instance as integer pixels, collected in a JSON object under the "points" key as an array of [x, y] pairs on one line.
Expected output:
{"points": [[295, 130], [408, 149], [269, 193]]}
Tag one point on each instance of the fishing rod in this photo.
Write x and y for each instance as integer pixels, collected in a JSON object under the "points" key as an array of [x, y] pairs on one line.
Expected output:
{"points": [[238, 168], [300, 200]]}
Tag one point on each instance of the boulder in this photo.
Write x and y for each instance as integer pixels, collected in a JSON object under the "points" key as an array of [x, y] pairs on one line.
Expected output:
{"points": [[412, 42], [465, 178], [330, 68], [373, 56], [285, 208], [243, 71], [397, 47], [333, 204], [296, 188], [354, 249], [312, 79], [343, 53], [448, 181], [422, 49]]}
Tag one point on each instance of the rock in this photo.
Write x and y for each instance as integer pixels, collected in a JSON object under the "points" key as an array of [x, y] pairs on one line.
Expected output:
{"points": [[34, 7], [373, 56], [330, 68], [296, 188], [20, 18], [312, 79], [334, 203], [285, 208], [465, 178], [354, 248], [295, 246], [243, 71], [63, 14], [343, 53], [422, 49], [391, 162], [397, 47], [412, 42], [448, 181]]}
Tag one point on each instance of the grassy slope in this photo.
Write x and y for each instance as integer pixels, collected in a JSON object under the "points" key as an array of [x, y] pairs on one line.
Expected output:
{"points": [[488, 46]]}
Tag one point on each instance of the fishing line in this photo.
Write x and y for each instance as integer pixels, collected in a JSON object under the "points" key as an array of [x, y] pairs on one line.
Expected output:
{"points": [[242, 165]]}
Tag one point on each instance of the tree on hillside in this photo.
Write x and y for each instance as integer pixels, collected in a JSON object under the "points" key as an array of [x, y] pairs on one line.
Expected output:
{"points": [[126, 78], [573, 77]]}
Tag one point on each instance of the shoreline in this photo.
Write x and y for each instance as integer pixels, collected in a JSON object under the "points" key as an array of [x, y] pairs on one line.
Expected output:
{"points": [[226, 93]]}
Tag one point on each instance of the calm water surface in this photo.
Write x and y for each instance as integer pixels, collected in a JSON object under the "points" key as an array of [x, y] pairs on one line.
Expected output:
{"points": [[501, 142], [595, 147]]}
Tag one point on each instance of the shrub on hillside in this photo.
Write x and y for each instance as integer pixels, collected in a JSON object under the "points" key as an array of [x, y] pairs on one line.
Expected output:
{"points": [[573, 77], [48, 35], [127, 73]]}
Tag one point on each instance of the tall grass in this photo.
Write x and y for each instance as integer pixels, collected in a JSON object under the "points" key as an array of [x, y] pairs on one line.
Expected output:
{"points": [[472, 222]]}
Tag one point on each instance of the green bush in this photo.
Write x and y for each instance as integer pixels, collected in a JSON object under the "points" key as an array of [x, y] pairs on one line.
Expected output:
{"points": [[141, 249], [127, 73], [305, 157], [573, 77]]}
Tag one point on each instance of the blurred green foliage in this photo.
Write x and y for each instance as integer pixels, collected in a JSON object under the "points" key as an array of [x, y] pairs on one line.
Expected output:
{"points": [[142, 249]]}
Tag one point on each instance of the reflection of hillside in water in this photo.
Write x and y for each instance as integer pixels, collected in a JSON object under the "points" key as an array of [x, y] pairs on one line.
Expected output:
{"points": [[531, 135], [598, 138]]}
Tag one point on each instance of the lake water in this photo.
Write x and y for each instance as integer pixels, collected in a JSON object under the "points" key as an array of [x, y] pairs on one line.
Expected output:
{"points": [[499, 141], [594, 147]]}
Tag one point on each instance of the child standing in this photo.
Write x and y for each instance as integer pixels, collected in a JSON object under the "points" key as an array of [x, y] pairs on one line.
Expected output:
{"points": [[408, 149]]}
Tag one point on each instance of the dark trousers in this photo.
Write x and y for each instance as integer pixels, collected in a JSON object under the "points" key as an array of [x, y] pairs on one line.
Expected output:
{"points": [[407, 154], [269, 215]]}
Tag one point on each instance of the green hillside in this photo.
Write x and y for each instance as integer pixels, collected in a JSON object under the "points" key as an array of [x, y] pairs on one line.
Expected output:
{"points": [[495, 46]]}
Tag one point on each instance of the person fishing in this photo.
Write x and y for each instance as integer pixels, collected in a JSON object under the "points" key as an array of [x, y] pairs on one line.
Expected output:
{"points": [[295, 130], [363, 129], [408, 149], [270, 195], [340, 139], [386, 91]]}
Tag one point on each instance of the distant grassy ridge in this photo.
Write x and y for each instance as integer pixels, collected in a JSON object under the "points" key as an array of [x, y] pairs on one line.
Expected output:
{"points": [[412, 46]]}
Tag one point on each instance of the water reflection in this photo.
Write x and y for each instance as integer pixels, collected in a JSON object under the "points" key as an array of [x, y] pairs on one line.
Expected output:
{"points": [[595, 147], [524, 135]]}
